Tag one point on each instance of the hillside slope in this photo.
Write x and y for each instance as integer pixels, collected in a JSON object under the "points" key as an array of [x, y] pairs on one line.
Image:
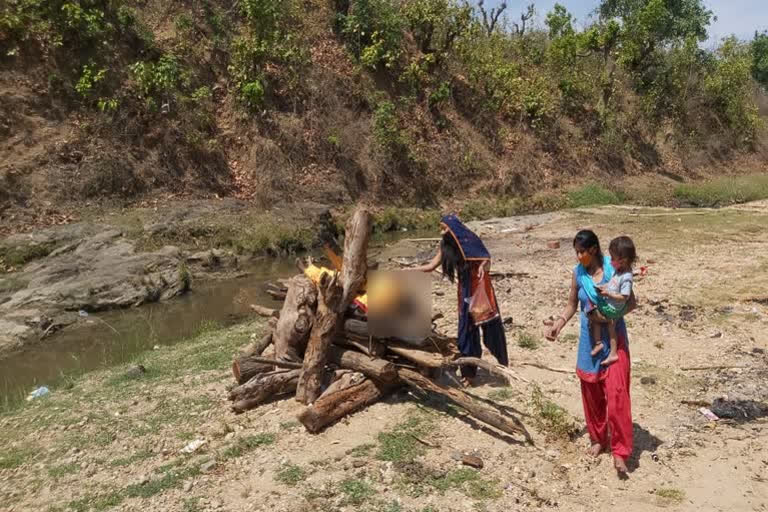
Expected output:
{"points": [[414, 102]]}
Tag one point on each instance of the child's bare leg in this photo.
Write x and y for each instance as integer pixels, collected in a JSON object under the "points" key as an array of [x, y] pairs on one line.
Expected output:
{"points": [[596, 333], [613, 356]]}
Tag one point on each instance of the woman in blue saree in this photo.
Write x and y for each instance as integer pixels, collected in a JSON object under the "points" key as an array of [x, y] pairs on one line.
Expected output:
{"points": [[464, 258]]}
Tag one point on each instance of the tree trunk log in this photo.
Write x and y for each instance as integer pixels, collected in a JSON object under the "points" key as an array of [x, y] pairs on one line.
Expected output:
{"points": [[378, 369], [506, 423], [356, 328], [415, 355], [323, 330], [245, 368], [295, 321], [262, 388], [333, 406], [278, 295], [257, 347], [262, 311], [333, 299], [354, 268]]}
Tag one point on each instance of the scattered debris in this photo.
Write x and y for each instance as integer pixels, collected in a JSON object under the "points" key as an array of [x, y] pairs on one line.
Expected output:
{"points": [[649, 380], [708, 414], [553, 244], [206, 467], [739, 410], [38, 393], [193, 446]]}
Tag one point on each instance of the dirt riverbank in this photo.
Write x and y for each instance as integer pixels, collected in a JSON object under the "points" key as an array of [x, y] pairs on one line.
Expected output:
{"points": [[112, 441]]}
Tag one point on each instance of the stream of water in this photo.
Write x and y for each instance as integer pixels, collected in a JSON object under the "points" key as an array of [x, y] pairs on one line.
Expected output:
{"points": [[114, 337]]}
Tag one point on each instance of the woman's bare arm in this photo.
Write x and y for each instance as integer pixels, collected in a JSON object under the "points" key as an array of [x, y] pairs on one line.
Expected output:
{"points": [[568, 312], [432, 265]]}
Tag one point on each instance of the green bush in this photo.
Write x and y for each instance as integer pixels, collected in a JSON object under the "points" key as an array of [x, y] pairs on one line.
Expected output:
{"points": [[730, 88], [386, 127], [155, 78], [724, 191], [89, 79], [759, 51], [591, 195], [373, 30]]}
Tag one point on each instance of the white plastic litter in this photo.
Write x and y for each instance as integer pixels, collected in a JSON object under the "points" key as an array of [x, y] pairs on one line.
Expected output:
{"points": [[39, 392], [194, 445]]}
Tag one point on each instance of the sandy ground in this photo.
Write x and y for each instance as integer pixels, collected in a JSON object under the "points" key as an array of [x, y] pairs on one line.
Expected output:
{"points": [[112, 441]]}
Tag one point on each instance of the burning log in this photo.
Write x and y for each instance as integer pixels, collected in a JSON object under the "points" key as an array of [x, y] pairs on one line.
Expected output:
{"points": [[333, 299]]}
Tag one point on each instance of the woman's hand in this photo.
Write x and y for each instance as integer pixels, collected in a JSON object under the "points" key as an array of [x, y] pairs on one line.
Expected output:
{"points": [[570, 309], [432, 265], [554, 331], [483, 268]]}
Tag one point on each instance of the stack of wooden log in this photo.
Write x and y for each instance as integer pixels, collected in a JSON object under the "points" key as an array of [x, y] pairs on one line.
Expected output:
{"points": [[319, 350]]}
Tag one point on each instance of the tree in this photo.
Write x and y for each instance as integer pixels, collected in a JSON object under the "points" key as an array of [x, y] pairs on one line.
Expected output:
{"points": [[650, 25], [524, 17], [759, 51], [490, 19], [435, 24], [560, 22]]}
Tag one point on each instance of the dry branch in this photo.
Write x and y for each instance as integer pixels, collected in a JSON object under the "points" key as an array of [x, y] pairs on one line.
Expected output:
{"points": [[492, 368], [506, 423], [418, 356], [715, 367], [548, 368]]}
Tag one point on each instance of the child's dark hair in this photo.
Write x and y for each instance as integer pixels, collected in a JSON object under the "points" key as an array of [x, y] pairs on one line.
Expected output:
{"points": [[622, 247], [587, 239]]}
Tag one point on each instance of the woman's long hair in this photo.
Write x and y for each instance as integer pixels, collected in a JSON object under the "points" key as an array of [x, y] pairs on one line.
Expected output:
{"points": [[587, 239], [452, 261]]}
